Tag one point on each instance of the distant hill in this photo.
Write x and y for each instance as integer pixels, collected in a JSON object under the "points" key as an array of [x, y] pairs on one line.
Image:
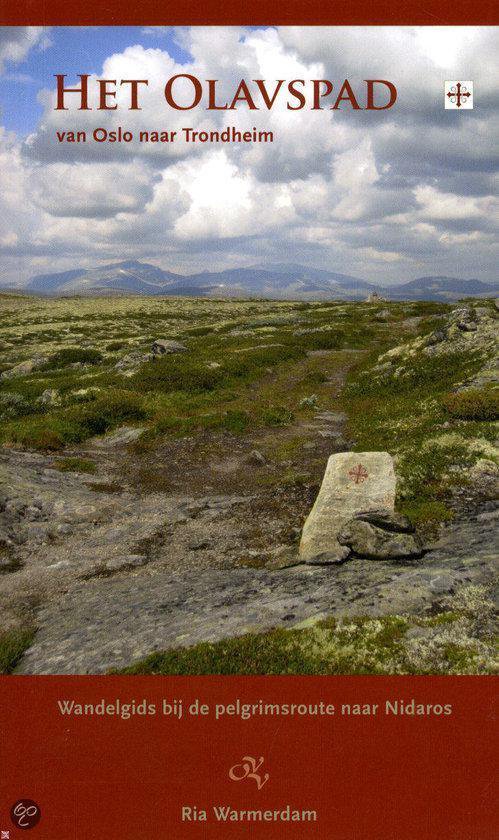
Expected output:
{"points": [[128, 276], [281, 282], [442, 288]]}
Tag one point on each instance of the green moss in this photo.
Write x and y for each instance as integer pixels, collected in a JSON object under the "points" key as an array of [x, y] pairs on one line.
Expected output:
{"points": [[473, 404], [400, 410], [57, 429], [115, 345], [428, 307], [278, 652], [13, 643], [71, 355], [109, 410], [355, 646], [416, 373], [49, 433], [177, 374], [426, 511], [276, 415], [441, 618], [80, 465], [455, 641], [460, 659]]}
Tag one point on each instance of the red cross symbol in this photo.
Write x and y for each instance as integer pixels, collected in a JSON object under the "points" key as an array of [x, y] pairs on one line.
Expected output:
{"points": [[458, 94], [358, 474]]}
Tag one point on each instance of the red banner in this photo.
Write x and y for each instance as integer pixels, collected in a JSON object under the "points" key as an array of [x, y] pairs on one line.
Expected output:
{"points": [[260, 12], [338, 758]]}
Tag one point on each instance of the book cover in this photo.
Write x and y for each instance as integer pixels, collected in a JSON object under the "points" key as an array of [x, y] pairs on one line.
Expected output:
{"points": [[248, 441]]}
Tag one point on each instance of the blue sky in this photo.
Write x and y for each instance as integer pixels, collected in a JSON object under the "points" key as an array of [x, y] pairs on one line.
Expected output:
{"points": [[71, 50]]}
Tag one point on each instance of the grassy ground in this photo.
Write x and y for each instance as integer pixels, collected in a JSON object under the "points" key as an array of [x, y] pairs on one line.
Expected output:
{"points": [[224, 382], [255, 374], [12, 646], [457, 640], [251, 366]]}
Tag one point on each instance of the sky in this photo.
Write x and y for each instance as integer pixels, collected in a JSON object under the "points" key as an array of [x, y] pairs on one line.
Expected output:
{"points": [[386, 196]]}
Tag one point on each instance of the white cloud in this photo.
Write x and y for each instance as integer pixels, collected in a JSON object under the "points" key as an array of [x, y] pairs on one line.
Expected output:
{"points": [[93, 190], [372, 194], [439, 205], [17, 41]]}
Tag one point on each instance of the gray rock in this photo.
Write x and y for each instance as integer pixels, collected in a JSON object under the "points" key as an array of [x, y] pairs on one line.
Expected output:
{"points": [[161, 346], [354, 482], [382, 315], [282, 557], [309, 402], [129, 364], [331, 416], [435, 338], [387, 520], [50, 397], [121, 436], [367, 540], [488, 516], [24, 368], [118, 563], [467, 326], [256, 459], [198, 544]]}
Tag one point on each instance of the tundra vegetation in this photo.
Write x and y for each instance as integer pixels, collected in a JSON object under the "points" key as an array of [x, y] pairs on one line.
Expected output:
{"points": [[254, 376]]}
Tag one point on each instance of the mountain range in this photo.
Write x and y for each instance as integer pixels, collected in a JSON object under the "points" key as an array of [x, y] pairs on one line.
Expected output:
{"points": [[281, 282]]}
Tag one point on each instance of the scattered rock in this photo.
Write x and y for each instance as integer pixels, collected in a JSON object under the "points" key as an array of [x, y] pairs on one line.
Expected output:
{"points": [[374, 297], [387, 520], [256, 459], [50, 397], [331, 416], [354, 482], [488, 516], [162, 346], [118, 563], [24, 368], [120, 437], [198, 544], [376, 543], [282, 557], [129, 364], [435, 337], [309, 402]]}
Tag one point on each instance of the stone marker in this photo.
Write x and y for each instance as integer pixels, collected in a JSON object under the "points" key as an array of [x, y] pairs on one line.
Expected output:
{"points": [[163, 345], [354, 482]]}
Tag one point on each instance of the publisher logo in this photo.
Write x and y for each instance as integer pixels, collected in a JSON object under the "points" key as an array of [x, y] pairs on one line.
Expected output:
{"points": [[458, 95], [25, 814], [248, 769]]}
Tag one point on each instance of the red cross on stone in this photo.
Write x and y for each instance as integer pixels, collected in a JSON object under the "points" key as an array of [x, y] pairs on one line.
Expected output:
{"points": [[358, 474]]}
